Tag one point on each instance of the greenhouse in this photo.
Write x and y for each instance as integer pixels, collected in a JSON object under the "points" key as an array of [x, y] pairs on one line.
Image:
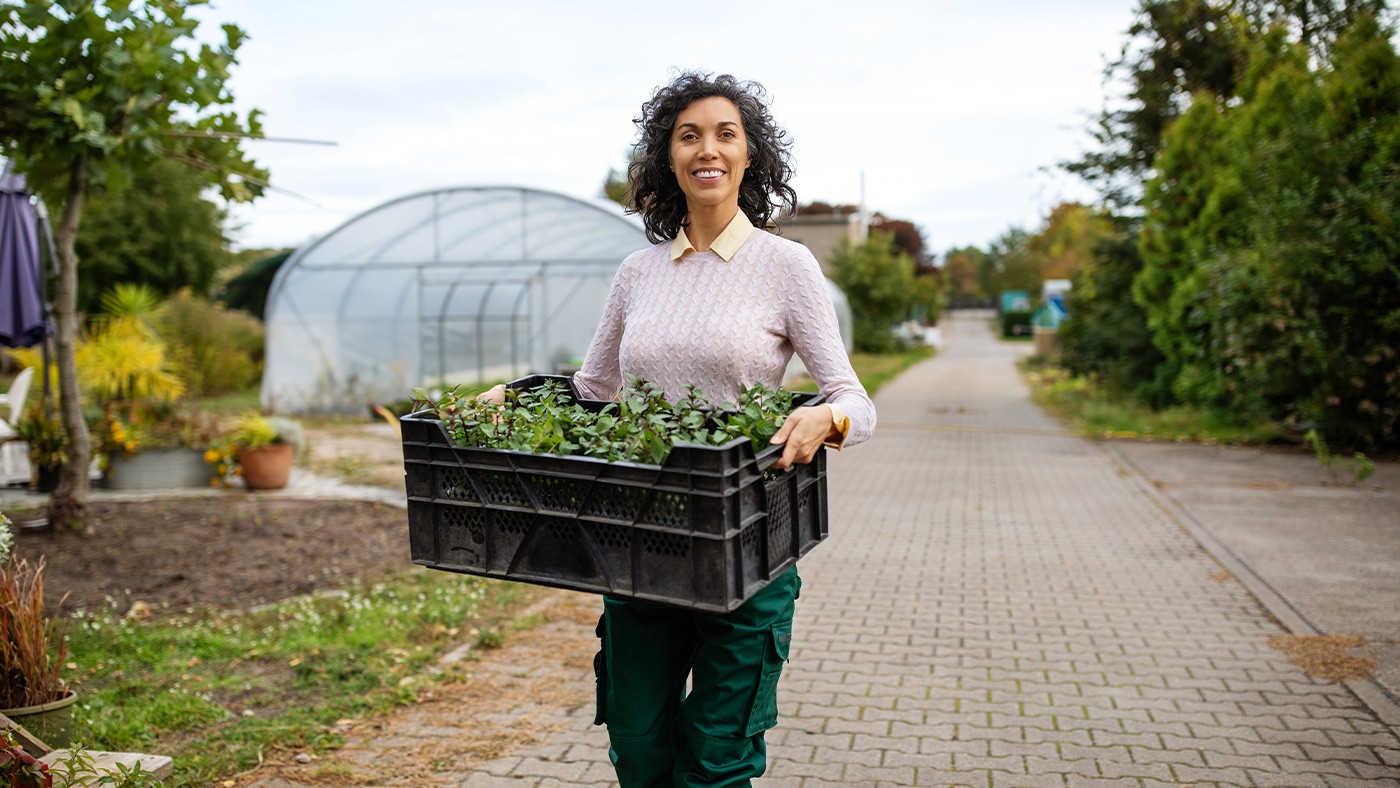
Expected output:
{"points": [[459, 286]]}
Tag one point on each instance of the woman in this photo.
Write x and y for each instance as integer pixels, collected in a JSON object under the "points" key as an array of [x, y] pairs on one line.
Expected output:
{"points": [[715, 303]]}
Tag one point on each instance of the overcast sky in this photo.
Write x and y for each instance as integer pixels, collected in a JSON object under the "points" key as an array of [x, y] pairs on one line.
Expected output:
{"points": [[953, 110]]}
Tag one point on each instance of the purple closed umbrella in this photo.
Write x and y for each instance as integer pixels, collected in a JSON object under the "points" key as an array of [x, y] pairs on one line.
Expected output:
{"points": [[21, 289]]}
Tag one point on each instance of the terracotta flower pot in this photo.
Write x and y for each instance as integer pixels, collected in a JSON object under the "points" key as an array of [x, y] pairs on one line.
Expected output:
{"points": [[266, 467]]}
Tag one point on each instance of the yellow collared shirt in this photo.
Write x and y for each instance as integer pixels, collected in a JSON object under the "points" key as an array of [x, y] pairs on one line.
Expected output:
{"points": [[725, 245]]}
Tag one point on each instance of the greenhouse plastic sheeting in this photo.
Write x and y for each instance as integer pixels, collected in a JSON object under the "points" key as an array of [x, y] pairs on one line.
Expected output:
{"points": [[461, 286]]}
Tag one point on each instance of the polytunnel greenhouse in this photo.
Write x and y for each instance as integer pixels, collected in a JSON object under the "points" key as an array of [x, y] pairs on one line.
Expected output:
{"points": [[458, 286]]}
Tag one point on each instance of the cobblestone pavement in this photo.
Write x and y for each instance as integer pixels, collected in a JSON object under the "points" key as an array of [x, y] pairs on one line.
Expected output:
{"points": [[1002, 603]]}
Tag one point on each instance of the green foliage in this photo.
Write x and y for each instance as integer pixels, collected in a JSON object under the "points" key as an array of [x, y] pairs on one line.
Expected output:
{"points": [[108, 86], [1271, 276], [215, 350], [963, 275], [1105, 337], [78, 769], [1099, 411], [878, 281], [48, 443], [158, 229], [641, 426], [1358, 464], [255, 431], [216, 690], [247, 290], [1011, 263]]}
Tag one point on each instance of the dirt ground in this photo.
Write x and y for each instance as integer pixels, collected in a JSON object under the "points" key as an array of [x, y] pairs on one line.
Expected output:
{"points": [[237, 550], [230, 551]]}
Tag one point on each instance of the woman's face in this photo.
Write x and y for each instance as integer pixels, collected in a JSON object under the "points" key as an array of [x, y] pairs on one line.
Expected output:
{"points": [[709, 152]]}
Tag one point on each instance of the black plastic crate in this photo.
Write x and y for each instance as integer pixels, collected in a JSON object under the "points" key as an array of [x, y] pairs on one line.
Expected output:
{"points": [[705, 530]]}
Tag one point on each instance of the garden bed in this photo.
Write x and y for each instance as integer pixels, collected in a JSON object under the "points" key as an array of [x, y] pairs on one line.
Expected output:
{"points": [[233, 551]]}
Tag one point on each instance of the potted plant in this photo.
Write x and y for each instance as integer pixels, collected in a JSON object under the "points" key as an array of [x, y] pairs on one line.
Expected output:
{"points": [[155, 444], [48, 444], [262, 450], [32, 654]]}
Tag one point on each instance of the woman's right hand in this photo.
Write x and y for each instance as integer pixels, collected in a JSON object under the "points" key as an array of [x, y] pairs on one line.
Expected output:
{"points": [[496, 394]]}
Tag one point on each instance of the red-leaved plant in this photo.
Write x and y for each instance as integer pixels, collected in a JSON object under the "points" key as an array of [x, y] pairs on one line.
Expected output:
{"points": [[19, 769], [32, 653]]}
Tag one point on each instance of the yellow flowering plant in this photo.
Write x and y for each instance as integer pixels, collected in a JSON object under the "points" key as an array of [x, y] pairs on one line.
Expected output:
{"points": [[145, 426]]}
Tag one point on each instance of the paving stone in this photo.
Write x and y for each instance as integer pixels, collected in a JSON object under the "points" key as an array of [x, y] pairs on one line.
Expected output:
{"points": [[1272, 778], [1000, 780], [939, 778], [1377, 772], [1193, 775], [1118, 769]]}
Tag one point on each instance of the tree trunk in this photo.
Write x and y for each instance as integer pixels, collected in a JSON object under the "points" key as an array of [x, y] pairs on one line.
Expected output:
{"points": [[68, 504]]}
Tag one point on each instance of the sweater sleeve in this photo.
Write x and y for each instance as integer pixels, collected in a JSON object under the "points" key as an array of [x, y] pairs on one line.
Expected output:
{"points": [[600, 376], [816, 337]]}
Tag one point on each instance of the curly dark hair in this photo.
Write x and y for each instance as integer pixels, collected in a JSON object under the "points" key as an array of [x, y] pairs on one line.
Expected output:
{"points": [[655, 193]]}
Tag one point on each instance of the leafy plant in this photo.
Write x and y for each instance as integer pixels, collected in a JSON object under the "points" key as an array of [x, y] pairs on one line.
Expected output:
{"points": [[32, 654], [1360, 466], [256, 430], [19, 769], [641, 426], [44, 434], [216, 350], [77, 769], [144, 426]]}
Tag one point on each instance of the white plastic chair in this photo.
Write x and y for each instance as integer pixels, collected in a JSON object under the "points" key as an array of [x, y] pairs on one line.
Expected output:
{"points": [[14, 453]]}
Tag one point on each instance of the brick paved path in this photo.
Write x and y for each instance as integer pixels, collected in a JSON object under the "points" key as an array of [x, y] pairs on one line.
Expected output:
{"points": [[1001, 604]]}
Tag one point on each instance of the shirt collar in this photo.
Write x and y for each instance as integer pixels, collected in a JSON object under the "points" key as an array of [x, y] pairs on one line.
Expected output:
{"points": [[725, 245]]}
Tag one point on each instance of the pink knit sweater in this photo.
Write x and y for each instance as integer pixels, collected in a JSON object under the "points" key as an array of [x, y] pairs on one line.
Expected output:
{"points": [[719, 324]]}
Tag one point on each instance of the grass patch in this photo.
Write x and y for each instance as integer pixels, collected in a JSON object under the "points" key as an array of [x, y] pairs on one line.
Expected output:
{"points": [[234, 404], [874, 369], [1091, 410], [216, 690]]}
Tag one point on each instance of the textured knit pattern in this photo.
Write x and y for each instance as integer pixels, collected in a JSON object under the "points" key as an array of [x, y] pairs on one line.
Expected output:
{"points": [[719, 325]]}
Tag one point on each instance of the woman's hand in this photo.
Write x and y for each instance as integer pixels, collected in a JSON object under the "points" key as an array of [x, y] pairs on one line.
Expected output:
{"points": [[804, 431], [496, 394]]}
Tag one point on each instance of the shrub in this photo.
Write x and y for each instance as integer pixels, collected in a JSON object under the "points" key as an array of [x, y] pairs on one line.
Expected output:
{"points": [[217, 350]]}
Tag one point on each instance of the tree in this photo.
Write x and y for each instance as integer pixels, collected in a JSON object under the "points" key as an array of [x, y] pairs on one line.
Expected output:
{"points": [[99, 90], [1271, 272], [1177, 49], [158, 229], [1105, 335], [1068, 239], [878, 280], [1010, 264], [907, 237], [960, 273]]}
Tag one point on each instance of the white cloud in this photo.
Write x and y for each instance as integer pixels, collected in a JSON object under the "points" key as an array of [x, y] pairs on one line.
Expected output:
{"points": [[949, 108]]}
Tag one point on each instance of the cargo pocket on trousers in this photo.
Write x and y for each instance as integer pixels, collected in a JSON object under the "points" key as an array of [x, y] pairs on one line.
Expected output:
{"points": [[764, 713], [600, 672]]}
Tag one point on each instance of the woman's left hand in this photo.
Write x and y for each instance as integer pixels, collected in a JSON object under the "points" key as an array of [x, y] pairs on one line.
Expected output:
{"points": [[804, 431]]}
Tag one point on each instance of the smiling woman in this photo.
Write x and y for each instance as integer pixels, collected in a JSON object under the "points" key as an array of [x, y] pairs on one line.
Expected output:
{"points": [[718, 304]]}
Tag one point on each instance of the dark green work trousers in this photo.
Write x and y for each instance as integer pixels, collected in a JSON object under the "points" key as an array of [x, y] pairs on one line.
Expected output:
{"points": [[713, 736]]}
